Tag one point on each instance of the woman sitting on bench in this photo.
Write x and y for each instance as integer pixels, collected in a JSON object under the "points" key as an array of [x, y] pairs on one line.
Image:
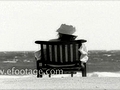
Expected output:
{"points": [[65, 33]]}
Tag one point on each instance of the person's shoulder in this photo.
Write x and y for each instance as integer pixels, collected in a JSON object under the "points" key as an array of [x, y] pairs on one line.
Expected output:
{"points": [[54, 40]]}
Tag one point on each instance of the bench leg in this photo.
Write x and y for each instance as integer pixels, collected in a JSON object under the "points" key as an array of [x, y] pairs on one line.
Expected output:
{"points": [[49, 75], [71, 74], [84, 71], [39, 75]]}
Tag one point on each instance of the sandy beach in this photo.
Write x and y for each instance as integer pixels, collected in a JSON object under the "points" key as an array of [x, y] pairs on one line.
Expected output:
{"points": [[31, 82]]}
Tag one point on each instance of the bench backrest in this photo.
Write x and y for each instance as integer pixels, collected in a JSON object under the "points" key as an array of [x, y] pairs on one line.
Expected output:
{"points": [[60, 52]]}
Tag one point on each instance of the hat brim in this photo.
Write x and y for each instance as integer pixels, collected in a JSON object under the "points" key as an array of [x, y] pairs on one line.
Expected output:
{"points": [[69, 34]]}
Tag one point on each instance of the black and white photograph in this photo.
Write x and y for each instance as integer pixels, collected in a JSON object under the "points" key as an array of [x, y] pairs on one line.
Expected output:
{"points": [[60, 44]]}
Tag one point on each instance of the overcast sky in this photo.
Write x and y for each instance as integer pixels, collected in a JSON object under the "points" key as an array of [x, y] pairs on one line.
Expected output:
{"points": [[24, 22]]}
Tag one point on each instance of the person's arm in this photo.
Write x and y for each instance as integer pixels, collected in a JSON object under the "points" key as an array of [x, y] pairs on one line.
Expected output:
{"points": [[38, 55], [84, 54]]}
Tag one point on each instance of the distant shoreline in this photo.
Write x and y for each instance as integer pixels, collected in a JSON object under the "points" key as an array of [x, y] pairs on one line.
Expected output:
{"points": [[38, 49]]}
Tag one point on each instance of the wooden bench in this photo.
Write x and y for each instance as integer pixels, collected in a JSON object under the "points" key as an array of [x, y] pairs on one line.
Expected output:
{"points": [[60, 55]]}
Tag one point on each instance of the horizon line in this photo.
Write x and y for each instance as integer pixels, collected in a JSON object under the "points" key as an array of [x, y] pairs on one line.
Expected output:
{"points": [[37, 50]]}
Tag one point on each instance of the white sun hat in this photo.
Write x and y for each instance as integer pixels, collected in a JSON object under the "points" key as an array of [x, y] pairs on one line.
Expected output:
{"points": [[66, 29]]}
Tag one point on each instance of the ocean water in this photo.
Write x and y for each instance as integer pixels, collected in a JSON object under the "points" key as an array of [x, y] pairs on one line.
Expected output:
{"points": [[101, 63]]}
